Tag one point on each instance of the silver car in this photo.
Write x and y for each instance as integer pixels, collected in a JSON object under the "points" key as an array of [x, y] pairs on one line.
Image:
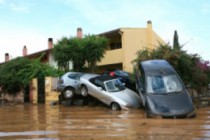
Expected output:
{"points": [[69, 84], [109, 90]]}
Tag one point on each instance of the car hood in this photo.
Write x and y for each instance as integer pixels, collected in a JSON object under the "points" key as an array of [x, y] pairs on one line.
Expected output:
{"points": [[127, 96], [171, 104]]}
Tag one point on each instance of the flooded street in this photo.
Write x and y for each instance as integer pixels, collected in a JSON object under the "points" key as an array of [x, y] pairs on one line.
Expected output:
{"points": [[46, 122]]}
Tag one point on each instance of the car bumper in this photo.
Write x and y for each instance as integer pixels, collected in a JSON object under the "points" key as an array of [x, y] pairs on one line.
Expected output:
{"points": [[60, 88], [184, 115]]}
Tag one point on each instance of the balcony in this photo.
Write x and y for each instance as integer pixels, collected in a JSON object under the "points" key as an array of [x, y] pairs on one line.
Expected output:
{"points": [[112, 57]]}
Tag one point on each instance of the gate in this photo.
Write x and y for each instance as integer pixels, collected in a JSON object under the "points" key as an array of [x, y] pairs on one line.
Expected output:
{"points": [[41, 88], [27, 94]]}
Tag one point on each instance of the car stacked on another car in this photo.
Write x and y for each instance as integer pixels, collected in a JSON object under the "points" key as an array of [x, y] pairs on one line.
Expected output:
{"points": [[104, 88], [109, 90]]}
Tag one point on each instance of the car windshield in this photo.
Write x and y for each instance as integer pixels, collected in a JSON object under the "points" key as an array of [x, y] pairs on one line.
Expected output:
{"points": [[163, 84], [114, 85]]}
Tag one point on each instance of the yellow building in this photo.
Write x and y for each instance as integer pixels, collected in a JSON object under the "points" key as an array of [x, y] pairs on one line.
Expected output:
{"points": [[124, 43]]}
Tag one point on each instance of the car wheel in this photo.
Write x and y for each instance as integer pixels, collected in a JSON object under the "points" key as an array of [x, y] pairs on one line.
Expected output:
{"points": [[67, 102], [84, 91], [115, 106], [68, 93], [147, 112]]}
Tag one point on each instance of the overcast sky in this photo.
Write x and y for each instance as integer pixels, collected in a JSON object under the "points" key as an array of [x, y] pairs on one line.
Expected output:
{"points": [[32, 22]]}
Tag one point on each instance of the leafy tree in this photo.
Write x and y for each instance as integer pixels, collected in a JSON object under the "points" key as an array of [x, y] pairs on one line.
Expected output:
{"points": [[94, 50], [62, 53], [18, 72], [9, 79], [77, 56], [79, 51], [69, 50], [176, 44]]}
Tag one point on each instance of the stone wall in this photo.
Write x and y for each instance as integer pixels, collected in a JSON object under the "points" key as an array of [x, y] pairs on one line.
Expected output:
{"points": [[18, 98]]}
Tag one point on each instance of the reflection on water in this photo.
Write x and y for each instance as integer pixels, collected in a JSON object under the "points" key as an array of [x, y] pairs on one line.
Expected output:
{"points": [[72, 122], [27, 133]]}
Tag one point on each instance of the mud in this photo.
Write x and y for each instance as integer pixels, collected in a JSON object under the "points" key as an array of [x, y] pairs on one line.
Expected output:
{"points": [[47, 122]]}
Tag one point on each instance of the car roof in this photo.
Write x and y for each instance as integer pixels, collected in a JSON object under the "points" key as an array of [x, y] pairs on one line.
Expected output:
{"points": [[73, 73], [104, 78], [89, 76], [157, 67]]}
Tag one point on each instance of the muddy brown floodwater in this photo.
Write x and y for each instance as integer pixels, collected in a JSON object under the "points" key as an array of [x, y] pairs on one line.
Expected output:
{"points": [[46, 122]]}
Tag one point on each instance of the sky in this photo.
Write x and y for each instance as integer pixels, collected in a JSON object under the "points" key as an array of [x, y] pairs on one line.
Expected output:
{"points": [[32, 22]]}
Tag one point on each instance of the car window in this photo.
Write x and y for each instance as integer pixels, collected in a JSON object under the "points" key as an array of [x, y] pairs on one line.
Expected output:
{"points": [[73, 76], [98, 82]]}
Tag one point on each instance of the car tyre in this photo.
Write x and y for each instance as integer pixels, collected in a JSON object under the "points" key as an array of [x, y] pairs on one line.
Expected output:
{"points": [[84, 91], [67, 102], [68, 93], [115, 106], [147, 112]]}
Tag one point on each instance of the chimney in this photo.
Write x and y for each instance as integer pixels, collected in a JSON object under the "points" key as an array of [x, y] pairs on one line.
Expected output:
{"points": [[50, 43], [79, 33], [25, 52], [6, 57], [149, 35], [149, 24]]}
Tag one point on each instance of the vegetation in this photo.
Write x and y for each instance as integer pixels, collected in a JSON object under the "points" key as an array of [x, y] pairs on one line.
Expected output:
{"points": [[188, 66], [17, 73], [94, 50], [88, 50], [67, 50]]}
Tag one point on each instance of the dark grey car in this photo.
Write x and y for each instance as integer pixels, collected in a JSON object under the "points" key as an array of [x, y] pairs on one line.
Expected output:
{"points": [[162, 91]]}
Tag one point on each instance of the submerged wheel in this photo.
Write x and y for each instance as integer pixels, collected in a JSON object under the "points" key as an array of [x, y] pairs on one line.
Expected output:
{"points": [[84, 91], [68, 93], [147, 112], [115, 106]]}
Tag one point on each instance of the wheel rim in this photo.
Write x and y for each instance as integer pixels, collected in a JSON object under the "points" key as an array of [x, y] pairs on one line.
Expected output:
{"points": [[68, 93], [84, 91]]}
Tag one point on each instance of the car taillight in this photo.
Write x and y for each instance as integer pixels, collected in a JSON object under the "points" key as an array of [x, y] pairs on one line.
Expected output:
{"points": [[112, 74]]}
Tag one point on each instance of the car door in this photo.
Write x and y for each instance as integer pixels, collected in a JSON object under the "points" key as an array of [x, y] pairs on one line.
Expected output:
{"points": [[74, 81], [98, 91]]}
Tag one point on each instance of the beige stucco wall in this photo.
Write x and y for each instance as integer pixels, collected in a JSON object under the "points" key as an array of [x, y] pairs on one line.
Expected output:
{"points": [[133, 40], [112, 57], [34, 91], [51, 95]]}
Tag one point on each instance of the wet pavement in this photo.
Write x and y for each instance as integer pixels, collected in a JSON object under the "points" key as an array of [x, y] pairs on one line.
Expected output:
{"points": [[47, 122]]}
